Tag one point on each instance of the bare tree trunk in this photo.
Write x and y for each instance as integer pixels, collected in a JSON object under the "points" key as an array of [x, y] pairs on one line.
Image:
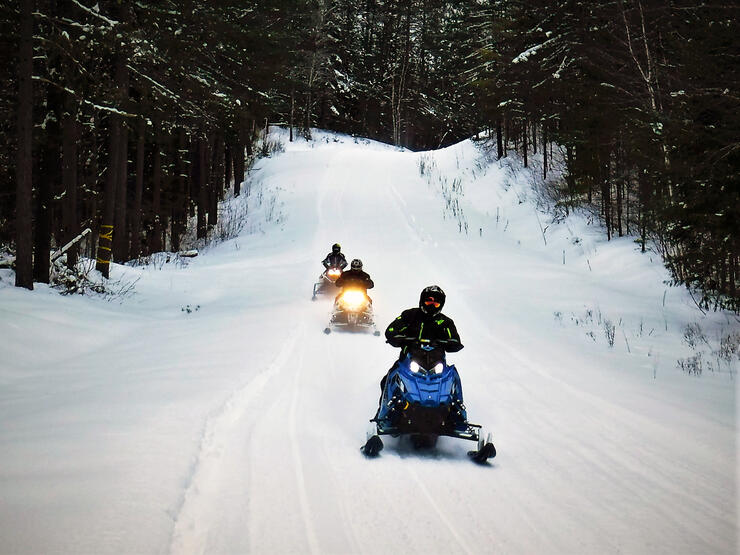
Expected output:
{"points": [[138, 190], [618, 181], [499, 140], [105, 240], [228, 165], [47, 178], [202, 179], [544, 150], [121, 238], [69, 179], [524, 143], [91, 183], [238, 156], [180, 202], [155, 242], [292, 111], [24, 171], [603, 175], [217, 180]]}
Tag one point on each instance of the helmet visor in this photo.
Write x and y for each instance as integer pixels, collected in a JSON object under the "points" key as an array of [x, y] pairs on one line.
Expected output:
{"points": [[431, 302]]}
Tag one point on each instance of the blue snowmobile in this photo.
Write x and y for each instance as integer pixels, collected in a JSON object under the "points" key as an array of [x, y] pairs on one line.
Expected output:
{"points": [[423, 399]]}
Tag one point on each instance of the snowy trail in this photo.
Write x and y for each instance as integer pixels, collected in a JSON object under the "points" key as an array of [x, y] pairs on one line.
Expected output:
{"points": [[597, 468], [236, 428]]}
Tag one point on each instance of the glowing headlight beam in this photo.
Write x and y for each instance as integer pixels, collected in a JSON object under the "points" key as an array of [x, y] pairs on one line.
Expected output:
{"points": [[353, 300]]}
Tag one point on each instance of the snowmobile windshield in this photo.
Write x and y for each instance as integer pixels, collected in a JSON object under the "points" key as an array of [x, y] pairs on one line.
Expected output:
{"points": [[428, 358]]}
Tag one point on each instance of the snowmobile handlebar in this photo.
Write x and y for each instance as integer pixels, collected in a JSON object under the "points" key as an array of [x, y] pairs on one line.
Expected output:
{"points": [[406, 340]]}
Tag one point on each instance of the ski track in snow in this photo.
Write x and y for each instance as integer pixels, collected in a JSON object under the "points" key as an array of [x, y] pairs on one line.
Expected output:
{"points": [[295, 446], [199, 507]]}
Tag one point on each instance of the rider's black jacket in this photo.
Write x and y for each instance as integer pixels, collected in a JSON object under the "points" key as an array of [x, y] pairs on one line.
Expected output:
{"points": [[356, 278], [414, 325], [334, 261]]}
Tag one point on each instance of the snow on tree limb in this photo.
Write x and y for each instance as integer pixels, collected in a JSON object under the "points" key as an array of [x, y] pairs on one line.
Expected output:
{"points": [[96, 13]]}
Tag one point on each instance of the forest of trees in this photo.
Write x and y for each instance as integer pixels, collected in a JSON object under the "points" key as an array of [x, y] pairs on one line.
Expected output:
{"points": [[131, 117]]}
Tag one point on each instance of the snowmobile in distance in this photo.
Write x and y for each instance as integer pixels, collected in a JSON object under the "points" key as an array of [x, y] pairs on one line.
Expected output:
{"points": [[353, 309], [423, 399], [327, 280]]}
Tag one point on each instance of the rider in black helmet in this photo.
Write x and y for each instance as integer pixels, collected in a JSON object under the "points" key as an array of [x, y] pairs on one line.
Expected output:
{"points": [[423, 323], [335, 259], [355, 277]]}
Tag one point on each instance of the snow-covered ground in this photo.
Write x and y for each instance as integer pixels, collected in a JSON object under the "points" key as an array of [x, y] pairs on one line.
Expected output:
{"points": [[208, 413]]}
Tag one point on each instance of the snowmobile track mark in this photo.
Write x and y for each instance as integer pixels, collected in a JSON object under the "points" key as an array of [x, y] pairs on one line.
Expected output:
{"points": [[440, 513], [191, 526], [295, 448]]}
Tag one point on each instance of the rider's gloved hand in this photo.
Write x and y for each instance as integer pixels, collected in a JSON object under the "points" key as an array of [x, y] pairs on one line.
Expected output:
{"points": [[401, 340]]}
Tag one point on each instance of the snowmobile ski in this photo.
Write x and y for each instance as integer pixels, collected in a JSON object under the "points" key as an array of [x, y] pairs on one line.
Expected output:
{"points": [[486, 449]]}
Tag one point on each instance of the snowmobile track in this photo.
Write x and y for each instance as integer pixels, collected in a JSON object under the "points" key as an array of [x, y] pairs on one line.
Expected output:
{"points": [[192, 518]]}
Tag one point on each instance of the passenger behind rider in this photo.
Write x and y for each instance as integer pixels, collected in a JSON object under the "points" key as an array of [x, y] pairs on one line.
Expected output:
{"points": [[335, 259]]}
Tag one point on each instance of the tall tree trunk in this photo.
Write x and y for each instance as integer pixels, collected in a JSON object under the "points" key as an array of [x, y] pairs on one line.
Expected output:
{"points": [[603, 175], [618, 181], [215, 191], [105, 240], [48, 178], [24, 171], [238, 157], [499, 140], [292, 111], [155, 242], [70, 136], [228, 165], [113, 176], [524, 143], [644, 195], [180, 202], [138, 190], [92, 187], [121, 238], [200, 175], [544, 150]]}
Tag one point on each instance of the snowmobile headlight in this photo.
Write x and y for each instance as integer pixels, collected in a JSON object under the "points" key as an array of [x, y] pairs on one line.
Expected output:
{"points": [[438, 368], [334, 272], [353, 299], [414, 366]]}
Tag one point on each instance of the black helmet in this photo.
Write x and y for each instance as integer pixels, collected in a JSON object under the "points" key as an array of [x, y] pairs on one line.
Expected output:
{"points": [[335, 248], [432, 299], [356, 264]]}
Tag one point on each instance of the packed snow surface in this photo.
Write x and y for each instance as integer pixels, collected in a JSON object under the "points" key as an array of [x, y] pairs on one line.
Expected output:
{"points": [[206, 412]]}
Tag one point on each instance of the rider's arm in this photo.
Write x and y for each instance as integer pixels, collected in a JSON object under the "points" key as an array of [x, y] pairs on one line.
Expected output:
{"points": [[452, 342], [396, 333]]}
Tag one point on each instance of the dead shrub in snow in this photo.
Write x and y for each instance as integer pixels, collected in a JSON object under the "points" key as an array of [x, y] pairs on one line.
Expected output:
{"points": [[609, 330], [268, 147], [729, 347], [693, 335], [691, 365]]}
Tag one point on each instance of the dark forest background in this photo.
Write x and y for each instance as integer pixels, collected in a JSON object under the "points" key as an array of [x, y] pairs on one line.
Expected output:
{"points": [[131, 117]]}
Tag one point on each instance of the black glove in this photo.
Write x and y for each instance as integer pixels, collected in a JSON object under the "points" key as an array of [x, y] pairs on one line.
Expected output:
{"points": [[401, 340]]}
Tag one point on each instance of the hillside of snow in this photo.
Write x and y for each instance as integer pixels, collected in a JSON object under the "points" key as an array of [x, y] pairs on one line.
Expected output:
{"points": [[205, 411]]}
